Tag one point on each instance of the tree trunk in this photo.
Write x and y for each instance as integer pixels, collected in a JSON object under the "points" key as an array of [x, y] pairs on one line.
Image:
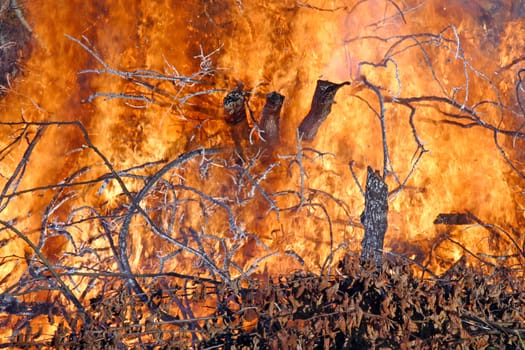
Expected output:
{"points": [[374, 219], [235, 110]]}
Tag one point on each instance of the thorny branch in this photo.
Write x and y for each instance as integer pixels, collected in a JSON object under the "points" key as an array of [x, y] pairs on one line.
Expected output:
{"points": [[148, 81], [65, 192], [18, 173], [62, 286], [465, 117], [158, 208]]}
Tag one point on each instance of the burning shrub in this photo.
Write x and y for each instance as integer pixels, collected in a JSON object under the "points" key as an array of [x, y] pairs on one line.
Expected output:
{"points": [[393, 309], [160, 214]]}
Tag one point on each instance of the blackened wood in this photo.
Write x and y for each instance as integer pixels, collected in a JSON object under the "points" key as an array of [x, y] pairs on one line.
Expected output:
{"points": [[270, 117], [454, 219], [235, 112], [374, 219], [321, 106], [241, 134], [13, 306], [234, 106], [14, 39]]}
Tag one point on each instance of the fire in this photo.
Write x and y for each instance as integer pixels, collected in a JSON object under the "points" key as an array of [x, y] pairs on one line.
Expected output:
{"points": [[294, 205]]}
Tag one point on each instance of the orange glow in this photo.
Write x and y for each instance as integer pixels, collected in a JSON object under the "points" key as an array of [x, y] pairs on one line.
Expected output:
{"points": [[283, 211]]}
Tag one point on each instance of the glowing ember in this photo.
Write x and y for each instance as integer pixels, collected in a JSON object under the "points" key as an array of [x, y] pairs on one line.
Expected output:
{"points": [[153, 178]]}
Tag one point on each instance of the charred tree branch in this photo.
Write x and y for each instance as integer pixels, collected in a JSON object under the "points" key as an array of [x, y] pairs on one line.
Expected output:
{"points": [[18, 173], [68, 293], [320, 109], [387, 166]]}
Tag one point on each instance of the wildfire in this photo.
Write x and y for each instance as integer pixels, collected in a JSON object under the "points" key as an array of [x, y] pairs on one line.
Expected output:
{"points": [[134, 168]]}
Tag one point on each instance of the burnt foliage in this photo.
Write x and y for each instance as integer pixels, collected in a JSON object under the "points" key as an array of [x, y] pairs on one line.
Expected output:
{"points": [[356, 309], [392, 310], [189, 290]]}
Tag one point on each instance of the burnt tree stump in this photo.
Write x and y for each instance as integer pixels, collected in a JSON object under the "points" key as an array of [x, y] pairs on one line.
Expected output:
{"points": [[321, 106], [270, 117], [235, 111], [234, 106], [374, 219]]}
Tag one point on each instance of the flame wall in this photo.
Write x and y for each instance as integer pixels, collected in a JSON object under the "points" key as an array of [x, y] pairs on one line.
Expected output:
{"points": [[447, 49]]}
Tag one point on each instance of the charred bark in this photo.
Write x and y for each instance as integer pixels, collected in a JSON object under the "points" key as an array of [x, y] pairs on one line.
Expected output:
{"points": [[374, 219], [454, 219], [270, 118], [321, 106], [14, 36], [235, 109]]}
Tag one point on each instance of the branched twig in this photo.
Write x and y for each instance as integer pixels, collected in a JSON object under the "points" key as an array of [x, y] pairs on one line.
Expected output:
{"points": [[68, 293], [13, 182], [147, 80], [387, 165], [356, 180]]}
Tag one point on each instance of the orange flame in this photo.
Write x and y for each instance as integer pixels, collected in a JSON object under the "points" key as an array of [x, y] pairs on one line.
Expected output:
{"points": [[298, 205]]}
